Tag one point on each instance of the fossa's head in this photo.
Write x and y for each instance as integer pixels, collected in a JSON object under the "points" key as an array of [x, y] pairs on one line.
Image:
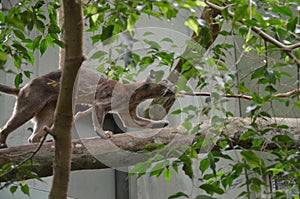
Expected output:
{"points": [[152, 89]]}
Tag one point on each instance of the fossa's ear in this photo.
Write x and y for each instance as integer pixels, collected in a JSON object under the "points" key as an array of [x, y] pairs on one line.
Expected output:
{"points": [[151, 77]]}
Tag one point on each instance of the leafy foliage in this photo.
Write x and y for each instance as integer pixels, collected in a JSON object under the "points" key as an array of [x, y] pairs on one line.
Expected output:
{"points": [[17, 24], [280, 22], [20, 173], [265, 34]]}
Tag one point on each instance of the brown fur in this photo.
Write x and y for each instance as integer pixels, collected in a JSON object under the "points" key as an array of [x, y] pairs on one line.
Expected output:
{"points": [[37, 99]]}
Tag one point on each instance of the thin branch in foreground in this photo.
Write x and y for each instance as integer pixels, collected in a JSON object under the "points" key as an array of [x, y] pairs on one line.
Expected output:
{"points": [[240, 96], [33, 153]]}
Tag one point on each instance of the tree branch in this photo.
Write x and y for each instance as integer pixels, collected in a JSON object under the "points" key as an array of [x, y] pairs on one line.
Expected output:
{"points": [[240, 96], [212, 29], [260, 32], [33, 153], [126, 149]]}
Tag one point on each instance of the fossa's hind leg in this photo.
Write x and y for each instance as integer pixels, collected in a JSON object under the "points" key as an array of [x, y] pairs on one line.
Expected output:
{"points": [[26, 107], [42, 119], [19, 117]]}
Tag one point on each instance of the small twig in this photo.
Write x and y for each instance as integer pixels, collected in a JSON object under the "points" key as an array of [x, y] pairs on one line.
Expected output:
{"points": [[25, 160], [247, 97], [288, 94], [182, 93], [260, 32]]}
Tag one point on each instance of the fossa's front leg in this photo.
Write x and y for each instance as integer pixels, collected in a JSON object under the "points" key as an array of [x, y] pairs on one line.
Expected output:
{"points": [[140, 122], [98, 115]]}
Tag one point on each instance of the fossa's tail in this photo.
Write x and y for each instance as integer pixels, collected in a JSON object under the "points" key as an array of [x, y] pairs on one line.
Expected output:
{"points": [[9, 90]]}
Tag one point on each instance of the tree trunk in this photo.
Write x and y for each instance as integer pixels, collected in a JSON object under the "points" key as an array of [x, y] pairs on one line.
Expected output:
{"points": [[61, 130], [60, 20], [205, 38]]}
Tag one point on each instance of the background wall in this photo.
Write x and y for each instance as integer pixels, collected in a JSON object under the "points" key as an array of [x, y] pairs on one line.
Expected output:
{"points": [[101, 183]]}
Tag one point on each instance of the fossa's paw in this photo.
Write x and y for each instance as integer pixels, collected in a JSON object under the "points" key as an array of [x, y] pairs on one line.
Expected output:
{"points": [[160, 124], [108, 134], [105, 134], [3, 145]]}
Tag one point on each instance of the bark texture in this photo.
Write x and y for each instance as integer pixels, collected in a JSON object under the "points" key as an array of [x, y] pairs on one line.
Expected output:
{"points": [[126, 149], [61, 130]]}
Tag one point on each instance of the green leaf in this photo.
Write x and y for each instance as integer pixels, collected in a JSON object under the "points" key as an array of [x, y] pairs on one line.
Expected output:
{"points": [[18, 80], [153, 44], [270, 76], [282, 138], [17, 61], [146, 61], [27, 74], [284, 10], [211, 189], [270, 89], [188, 125], [176, 112], [140, 168], [194, 153], [251, 157], [40, 25], [175, 167], [94, 17], [25, 188], [158, 168], [211, 62], [59, 43], [212, 162], [99, 54], [258, 73], [168, 174], [148, 33], [3, 57], [292, 24], [13, 189], [19, 47], [192, 24], [107, 32], [131, 20], [19, 34], [187, 166], [2, 17], [166, 39], [257, 143], [240, 13], [209, 176], [297, 104], [43, 46], [36, 42], [247, 134], [96, 38], [204, 165], [257, 98], [178, 194], [221, 155], [222, 144]]}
